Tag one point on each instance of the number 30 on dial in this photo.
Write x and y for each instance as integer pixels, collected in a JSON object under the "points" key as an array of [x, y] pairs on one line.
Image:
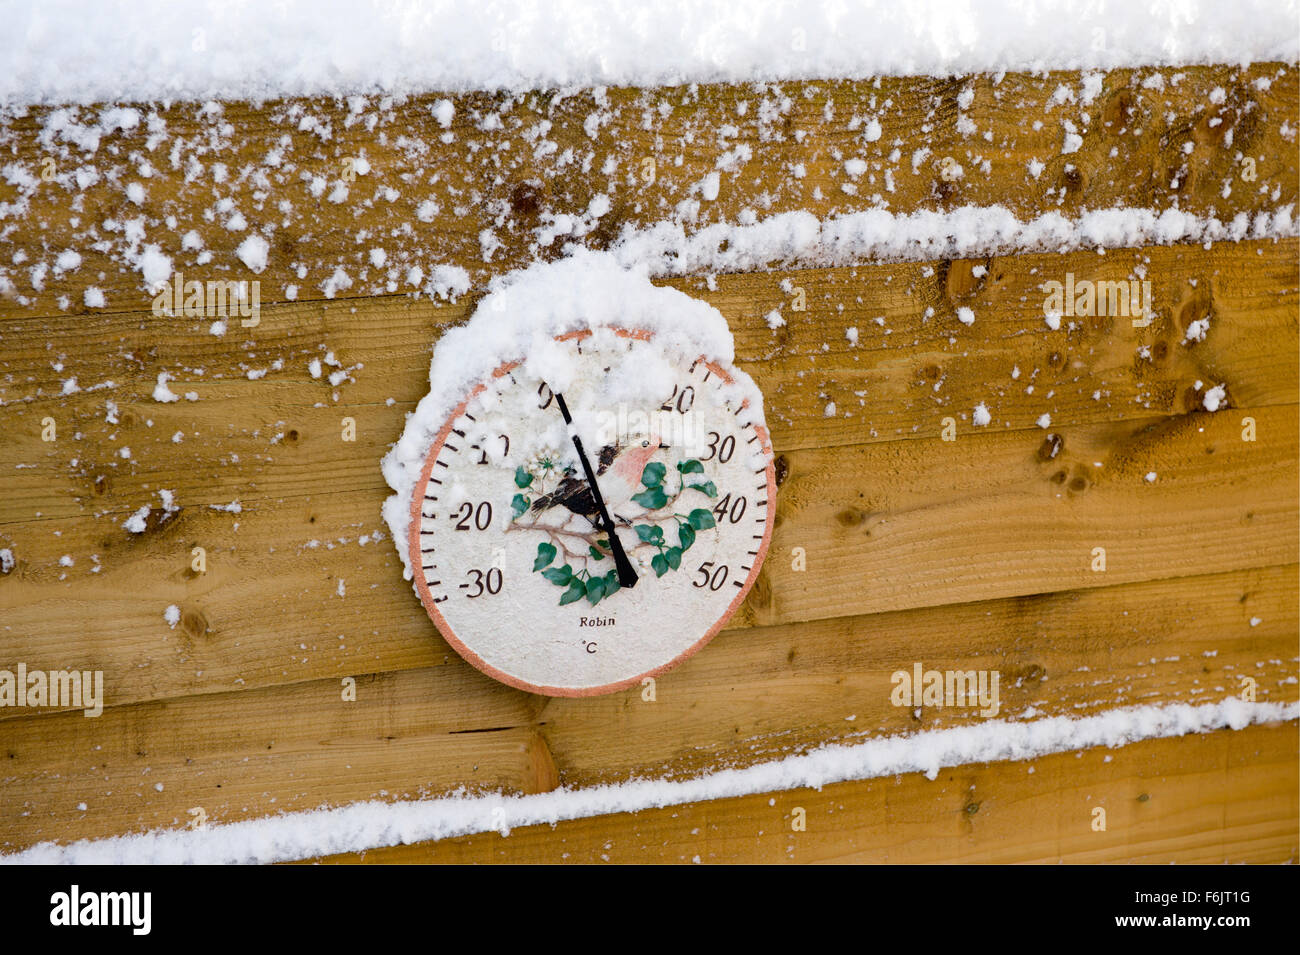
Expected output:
{"points": [[551, 585]]}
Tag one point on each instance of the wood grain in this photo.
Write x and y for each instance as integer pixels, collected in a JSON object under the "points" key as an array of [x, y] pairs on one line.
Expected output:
{"points": [[269, 436], [509, 167], [885, 526], [1225, 797], [757, 694]]}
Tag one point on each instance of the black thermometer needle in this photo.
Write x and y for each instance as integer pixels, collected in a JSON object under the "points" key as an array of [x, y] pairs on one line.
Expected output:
{"points": [[626, 575]]}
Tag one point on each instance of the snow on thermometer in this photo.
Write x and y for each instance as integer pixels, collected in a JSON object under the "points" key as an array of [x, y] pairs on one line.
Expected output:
{"points": [[587, 493]]}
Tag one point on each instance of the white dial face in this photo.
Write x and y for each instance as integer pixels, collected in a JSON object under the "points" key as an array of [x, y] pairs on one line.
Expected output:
{"points": [[512, 552]]}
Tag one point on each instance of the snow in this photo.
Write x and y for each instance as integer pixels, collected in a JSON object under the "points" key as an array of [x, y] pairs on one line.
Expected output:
{"points": [[172, 615], [155, 266], [252, 252], [966, 316], [1197, 330], [520, 318], [800, 239], [161, 392], [6, 560], [94, 298], [981, 417], [136, 522], [144, 50], [1214, 398], [368, 825], [710, 185]]}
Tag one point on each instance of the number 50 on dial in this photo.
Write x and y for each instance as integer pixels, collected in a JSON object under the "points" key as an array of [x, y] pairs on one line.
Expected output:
{"points": [[550, 584]]}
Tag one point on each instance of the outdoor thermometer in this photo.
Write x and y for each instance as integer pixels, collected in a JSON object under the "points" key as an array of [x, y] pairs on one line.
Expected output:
{"points": [[569, 544]]}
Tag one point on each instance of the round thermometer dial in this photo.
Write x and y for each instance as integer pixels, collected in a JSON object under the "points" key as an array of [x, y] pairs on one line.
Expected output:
{"points": [[571, 546]]}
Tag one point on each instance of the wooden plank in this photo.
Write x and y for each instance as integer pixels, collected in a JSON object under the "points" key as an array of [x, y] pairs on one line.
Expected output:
{"points": [[1224, 797], [270, 436], [885, 526], [508, 167], [755, 694], [254, 754]]}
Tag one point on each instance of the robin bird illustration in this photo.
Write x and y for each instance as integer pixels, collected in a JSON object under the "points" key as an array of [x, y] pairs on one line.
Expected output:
{"points": [[618, 471]]}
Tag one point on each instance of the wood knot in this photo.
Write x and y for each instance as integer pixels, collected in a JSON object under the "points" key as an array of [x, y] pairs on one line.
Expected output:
{"points": [[851, 516], [780, 468], [1051, 447], [526, 200], [194, 623]]}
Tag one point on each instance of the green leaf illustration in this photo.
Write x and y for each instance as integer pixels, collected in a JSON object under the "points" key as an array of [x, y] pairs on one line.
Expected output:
{"points": [[595, 554], [685, 536], [708, 487], [559, 575], [651, 499], [595, 590], [653, 475], [649, 532], [522, 478], [519, 504], [690, 466], [545, 554], [575, 592], [660, 565], [701, 519], [674, 557], [611, 582]]}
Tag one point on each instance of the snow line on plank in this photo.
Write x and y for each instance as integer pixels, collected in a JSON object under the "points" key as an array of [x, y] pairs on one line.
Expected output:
{"points": [[147, 50], [370, 825], [800, 239]]}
